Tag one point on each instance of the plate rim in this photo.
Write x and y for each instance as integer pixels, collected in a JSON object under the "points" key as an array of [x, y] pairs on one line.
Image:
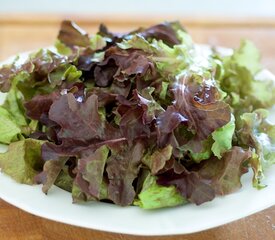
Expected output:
{"points": [[27, 207]]}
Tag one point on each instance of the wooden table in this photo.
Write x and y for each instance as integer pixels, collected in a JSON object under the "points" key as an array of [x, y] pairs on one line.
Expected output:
{"points": [[23, 33]]}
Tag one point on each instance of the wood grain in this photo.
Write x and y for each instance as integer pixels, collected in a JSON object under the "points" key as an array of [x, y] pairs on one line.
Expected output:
{"points": [[24, 33], [18, 225]]}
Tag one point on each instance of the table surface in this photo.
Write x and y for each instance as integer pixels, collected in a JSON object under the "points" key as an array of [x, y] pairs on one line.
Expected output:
{"points": [[19, 33]]}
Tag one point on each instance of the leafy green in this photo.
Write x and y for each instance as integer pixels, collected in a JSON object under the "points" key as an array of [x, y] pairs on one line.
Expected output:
{"points": [[91, 169], [64, 180], [240, 70], [223, 138], [79, 195], [122, 169], [248, 56], [225, 174], [23, 160], [144, 118], [64, 72], [156, 160], [62, 48], [154, 196], [258, 133], [97, 42], [9, 130], [168, 60], [51, 171], [72, 35], [198, 149], [13, 103]]}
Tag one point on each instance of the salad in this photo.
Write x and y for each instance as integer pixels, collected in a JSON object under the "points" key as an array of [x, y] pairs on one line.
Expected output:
{"points": [[145, 118]]}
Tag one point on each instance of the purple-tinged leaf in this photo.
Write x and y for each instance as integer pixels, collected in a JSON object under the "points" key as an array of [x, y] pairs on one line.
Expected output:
{"points": [[122, 168]]}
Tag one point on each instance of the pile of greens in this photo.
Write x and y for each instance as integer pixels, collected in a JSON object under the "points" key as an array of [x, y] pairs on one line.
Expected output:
{"points": [[144, 118]]}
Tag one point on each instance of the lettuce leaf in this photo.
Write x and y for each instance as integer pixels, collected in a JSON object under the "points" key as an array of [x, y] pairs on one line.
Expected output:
{"points": [[225, 174], [122, 169], [23, 160], [156, 161], [90, 171], [9, 130], [64, 180], [223, 138], [153, 196], [72, 35], [248, 56], [13, 103], [189, 184], [240, 70], [204, 114], [51, 171], [257, 133], [64, 72]]}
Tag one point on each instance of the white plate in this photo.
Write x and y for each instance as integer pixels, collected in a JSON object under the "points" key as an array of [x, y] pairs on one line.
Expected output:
{"points": [[57, 205]]}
